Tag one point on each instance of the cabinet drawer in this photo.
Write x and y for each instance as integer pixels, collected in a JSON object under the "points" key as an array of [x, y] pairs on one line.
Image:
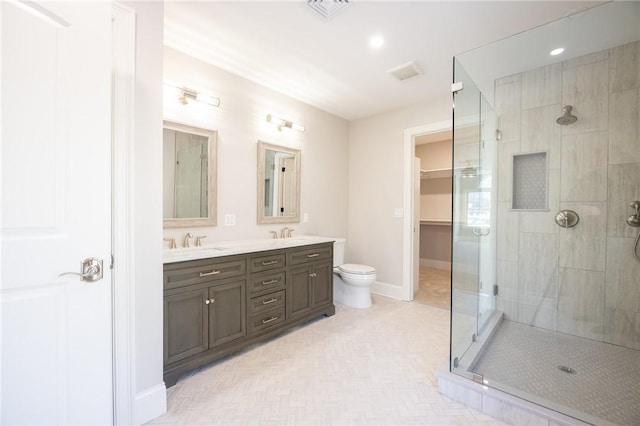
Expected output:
{"points": [[201, 272], [268, 262], [311, 254], [266, 319], [267, 302], [269, 282]]}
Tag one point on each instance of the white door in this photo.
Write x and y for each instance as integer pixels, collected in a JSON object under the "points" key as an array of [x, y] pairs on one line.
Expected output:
{"points": [[56, 211]]}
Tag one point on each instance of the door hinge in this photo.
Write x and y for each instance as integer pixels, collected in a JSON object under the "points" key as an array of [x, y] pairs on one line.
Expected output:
{"points": [[113, 261], [456, 87], [495, 289]]}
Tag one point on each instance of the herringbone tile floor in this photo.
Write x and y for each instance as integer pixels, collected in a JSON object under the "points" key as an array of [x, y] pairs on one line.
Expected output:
{"points": [[359, 367], [435, 287]]}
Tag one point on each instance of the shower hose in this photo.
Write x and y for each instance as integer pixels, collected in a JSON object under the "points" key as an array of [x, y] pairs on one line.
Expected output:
{"points": [[635, 247]]}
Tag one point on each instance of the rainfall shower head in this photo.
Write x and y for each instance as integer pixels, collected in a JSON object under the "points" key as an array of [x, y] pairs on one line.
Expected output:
{"points": [[567, 117]]}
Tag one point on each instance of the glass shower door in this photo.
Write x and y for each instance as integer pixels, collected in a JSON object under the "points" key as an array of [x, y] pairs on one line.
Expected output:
{"points": [[467, 215], [485, 227]]}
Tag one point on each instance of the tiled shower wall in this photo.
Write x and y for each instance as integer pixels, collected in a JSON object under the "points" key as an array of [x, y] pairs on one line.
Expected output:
{"points": [[583, 280]]}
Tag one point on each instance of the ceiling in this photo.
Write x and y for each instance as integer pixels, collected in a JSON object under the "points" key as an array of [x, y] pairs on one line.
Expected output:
{"points": [[329, 64]]}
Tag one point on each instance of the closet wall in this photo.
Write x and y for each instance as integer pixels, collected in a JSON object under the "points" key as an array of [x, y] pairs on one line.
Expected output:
{"points": [[434, 152]]}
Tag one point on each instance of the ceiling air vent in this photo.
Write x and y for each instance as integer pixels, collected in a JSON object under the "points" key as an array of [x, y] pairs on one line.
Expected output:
{"points": [[406, 71], [327, 8]]}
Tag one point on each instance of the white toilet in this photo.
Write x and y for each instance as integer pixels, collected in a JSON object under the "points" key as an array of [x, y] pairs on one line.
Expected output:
{"points": [[351, 282]]}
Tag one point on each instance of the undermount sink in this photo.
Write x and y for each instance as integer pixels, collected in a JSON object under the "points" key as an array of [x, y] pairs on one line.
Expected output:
{"points": [[226, 248], [180, 250], [187, 253]]}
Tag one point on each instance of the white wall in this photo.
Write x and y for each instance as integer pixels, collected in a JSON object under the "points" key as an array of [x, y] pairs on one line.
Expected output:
{"points": [[146, 290], [241, 122], [376, 164]]}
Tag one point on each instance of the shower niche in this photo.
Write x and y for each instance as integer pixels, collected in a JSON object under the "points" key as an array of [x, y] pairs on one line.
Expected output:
{"points": [[530, 181]]}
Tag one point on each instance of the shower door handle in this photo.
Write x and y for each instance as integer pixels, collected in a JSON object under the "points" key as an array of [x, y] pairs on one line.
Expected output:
{"points": [[479, 231]]}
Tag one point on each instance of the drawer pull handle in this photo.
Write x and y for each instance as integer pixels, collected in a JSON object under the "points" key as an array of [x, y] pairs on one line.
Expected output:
{"points": [[313, 255], [208, 301], [206, 274], [272, 300], [271, 262], [267, 321], [270, 282]]}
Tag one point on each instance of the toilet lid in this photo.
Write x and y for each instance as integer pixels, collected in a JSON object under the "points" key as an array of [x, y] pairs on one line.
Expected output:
{"points": [[353, 268]]}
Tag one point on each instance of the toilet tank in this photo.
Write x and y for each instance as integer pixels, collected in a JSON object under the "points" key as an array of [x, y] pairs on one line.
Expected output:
{"points": [[338, 251]]}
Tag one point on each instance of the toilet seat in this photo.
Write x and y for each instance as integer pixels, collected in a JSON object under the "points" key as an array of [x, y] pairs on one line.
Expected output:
{"points": [[356, 269]]}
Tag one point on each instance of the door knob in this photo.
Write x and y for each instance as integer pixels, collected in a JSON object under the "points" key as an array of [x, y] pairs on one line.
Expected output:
{"points": [[91, 269]]}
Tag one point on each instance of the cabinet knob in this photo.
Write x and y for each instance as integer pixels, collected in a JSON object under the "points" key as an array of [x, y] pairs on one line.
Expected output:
{"points": [[207, 301], [313, 275]]}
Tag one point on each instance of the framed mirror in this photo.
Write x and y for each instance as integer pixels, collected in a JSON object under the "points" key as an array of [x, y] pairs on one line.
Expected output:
{"points": [[189, 175], [278, 184]]}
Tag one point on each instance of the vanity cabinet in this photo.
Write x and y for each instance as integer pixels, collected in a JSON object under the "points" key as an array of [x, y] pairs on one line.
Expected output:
{"points": [[310, 279], [309, 287], [204, 306], [216, 306], [197, 320]]}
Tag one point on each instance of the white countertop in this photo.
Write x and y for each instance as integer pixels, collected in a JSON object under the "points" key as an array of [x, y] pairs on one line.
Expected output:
{"points": [[227, 248]]}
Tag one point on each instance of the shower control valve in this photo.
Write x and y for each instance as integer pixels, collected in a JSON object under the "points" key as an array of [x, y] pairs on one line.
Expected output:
{"points": [[634, 219]]}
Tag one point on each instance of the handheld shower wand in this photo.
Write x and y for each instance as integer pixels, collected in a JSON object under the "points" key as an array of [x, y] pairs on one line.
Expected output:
{"points": [[634, 220]]}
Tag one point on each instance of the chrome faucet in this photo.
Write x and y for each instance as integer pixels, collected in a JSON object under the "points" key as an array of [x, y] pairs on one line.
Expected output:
{"points": [[285, 233], [172, 242], [185, 241]]}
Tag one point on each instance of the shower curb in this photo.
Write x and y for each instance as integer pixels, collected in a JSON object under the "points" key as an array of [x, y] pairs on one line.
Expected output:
{"points": [[500, 405]]}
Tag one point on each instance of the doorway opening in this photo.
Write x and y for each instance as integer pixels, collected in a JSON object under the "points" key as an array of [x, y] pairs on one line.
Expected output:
{"points": [[427, 168], [434, 152]]}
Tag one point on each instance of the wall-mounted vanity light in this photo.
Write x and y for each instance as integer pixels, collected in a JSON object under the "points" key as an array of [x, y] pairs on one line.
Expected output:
{"points": [[280, 123], [186, 95]]}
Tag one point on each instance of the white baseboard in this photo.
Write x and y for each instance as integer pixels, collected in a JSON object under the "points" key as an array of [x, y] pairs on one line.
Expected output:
{"points": [[150, 404], [438, 264], [388, 290]]}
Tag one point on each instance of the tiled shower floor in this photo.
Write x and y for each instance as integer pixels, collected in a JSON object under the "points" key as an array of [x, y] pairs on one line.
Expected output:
{"points": [[607, 380]]}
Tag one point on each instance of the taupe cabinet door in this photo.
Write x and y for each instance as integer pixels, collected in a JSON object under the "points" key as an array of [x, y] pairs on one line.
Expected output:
{"points": [[299, 294], [323, 284], [185, 325], [227, 312]]}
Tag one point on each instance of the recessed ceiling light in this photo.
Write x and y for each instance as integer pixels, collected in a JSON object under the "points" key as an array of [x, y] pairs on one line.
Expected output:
{"points": [[557, 51], [376, 41]]}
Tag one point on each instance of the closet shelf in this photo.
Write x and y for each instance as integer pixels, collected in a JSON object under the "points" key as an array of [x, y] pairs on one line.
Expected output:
{"points": [[435, 173], [435, 222]]}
